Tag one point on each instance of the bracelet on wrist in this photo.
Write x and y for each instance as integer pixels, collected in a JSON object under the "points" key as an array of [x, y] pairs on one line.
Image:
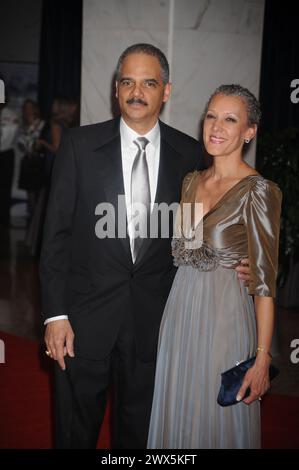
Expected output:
{"points": [[264, 351]]}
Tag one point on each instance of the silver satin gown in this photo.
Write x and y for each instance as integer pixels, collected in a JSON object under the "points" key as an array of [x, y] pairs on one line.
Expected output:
{"points": [[209, 321]]}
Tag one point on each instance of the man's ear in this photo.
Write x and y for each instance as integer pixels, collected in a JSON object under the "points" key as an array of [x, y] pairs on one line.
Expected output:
{"points": [[116, 89], [167, 92]]}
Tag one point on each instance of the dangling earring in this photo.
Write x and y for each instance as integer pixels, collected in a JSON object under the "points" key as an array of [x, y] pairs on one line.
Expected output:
{"points": [[247, 141]]}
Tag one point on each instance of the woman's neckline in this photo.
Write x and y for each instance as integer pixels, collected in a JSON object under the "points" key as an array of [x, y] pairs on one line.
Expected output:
{"points": [[228, 192]]}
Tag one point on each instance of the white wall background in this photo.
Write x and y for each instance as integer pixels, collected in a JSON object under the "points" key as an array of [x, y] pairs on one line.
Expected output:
{"points": [[207, 42]]}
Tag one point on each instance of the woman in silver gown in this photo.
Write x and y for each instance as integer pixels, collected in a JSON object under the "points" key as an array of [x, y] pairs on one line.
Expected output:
{"points": [[211, 320]]}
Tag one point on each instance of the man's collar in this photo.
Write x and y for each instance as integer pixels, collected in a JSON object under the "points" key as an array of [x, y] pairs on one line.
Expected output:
{"points": [[128, 135]]}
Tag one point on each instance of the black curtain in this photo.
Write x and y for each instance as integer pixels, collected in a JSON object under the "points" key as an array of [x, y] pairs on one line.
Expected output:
{"points": [[60, 51], [280, 65], [278, 145]]}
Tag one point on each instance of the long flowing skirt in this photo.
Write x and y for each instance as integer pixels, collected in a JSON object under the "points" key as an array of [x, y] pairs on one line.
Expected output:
{"points": [[208, 325]]}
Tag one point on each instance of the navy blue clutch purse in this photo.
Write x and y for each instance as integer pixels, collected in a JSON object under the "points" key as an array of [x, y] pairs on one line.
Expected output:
{"points": [[231, 381]]}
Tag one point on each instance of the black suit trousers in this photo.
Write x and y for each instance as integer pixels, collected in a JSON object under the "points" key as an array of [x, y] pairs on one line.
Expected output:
{"points": [[82, 395]]}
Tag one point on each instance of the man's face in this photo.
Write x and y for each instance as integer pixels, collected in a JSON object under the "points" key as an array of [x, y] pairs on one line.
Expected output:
{"points": [[141, 91]]}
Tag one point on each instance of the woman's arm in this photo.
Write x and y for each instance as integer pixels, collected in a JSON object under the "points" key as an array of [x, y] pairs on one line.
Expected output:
{"points": [[55, 139], [262, 221], [264, 308], [257, 377]]}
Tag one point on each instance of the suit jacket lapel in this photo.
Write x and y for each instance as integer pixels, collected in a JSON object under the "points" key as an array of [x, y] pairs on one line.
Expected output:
{"points": [[113, 183], [169, 169]]}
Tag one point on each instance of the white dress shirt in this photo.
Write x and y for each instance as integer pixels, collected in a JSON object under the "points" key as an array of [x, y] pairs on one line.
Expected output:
{"points": [[128, 153]]}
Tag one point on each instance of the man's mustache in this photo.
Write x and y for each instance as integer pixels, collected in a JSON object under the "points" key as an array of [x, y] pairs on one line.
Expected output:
{"points": [[136, 101]]}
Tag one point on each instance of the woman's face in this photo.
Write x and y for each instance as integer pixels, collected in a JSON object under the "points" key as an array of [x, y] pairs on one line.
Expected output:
{"points": [[226, 126], [29, 112]]}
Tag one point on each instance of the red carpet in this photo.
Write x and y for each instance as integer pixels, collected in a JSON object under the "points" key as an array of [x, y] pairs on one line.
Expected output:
{"points": [[280, 422], [26, 409]]}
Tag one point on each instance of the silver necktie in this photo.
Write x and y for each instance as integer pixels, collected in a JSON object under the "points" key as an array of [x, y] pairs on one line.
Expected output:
{"points": [[140, 195]]}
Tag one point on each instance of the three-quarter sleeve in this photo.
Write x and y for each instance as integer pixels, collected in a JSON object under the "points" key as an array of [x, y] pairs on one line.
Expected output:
{"points": [[262, 220]]}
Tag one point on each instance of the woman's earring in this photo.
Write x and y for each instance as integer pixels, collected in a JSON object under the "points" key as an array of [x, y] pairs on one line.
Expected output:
{"points": [[247, 141]]}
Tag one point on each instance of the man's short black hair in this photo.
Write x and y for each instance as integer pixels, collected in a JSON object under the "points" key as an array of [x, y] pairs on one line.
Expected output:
{"points": [[145, 49]]}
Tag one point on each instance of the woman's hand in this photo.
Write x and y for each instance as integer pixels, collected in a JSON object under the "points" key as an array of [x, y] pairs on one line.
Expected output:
{"points": [[257, 378], [244, 272], [39, 143]]}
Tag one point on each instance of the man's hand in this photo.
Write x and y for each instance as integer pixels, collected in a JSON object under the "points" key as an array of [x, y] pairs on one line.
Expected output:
{"points": [[59, 339], [243, 271]]}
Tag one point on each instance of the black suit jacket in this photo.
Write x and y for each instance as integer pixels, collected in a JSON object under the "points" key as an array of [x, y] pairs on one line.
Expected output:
{"points": [[93, 280]]}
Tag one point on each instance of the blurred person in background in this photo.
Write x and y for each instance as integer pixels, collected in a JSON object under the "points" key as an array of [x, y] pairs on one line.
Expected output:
{"points": [[32, 164], [63, 112], [62, 115], [9, 125]]}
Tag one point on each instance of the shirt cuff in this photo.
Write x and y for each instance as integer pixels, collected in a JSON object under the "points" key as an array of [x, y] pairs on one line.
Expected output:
{"points": [[59, 317]]}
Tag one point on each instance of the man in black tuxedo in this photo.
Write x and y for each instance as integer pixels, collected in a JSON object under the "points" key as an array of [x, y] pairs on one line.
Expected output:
{"points": [[103, 300]]}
